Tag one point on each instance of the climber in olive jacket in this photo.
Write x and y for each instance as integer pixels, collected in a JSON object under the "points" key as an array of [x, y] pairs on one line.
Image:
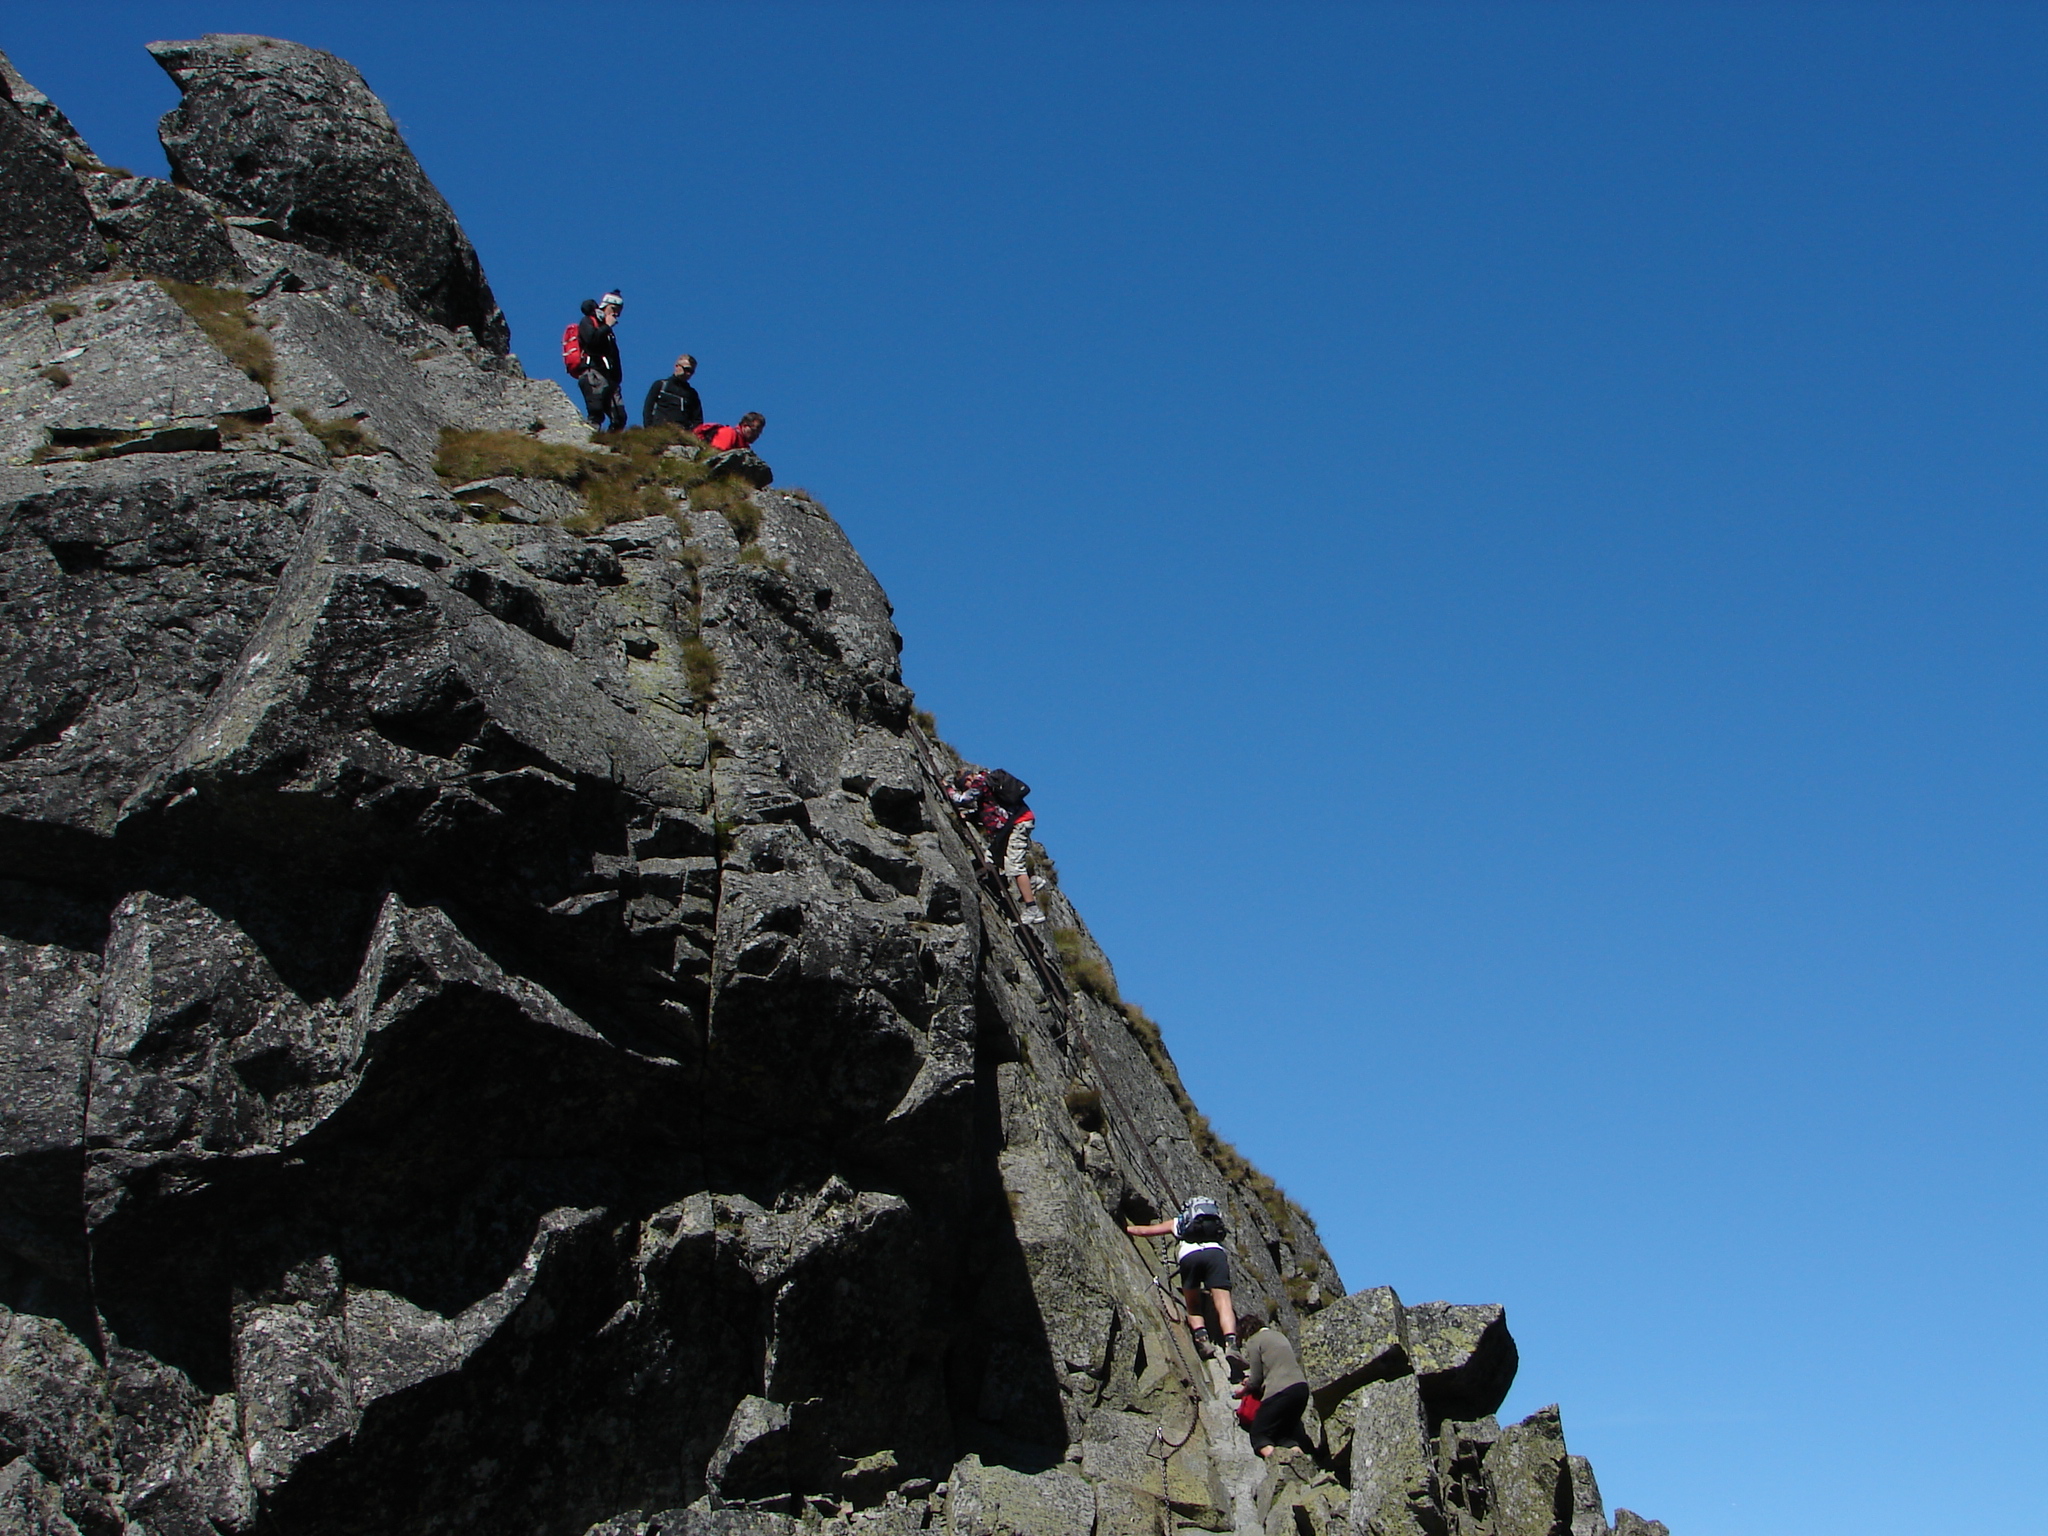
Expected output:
{"points": [[1274, 1376]]}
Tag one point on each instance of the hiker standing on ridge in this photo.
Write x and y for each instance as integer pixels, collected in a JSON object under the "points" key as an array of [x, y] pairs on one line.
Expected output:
{"points": [[673, 400], [1274, 1379], [994, 801], [1203, 1266], [597, 352]]}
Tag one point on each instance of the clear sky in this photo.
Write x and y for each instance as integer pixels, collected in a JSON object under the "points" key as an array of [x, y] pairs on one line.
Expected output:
{"points": [[1508, 539]]}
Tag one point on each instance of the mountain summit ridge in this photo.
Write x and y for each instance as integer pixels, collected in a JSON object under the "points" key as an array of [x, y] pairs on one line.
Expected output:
{"points": [[502, 1027]]}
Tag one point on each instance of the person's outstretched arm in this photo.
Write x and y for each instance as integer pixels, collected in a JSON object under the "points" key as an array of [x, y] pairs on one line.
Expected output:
{"points": [[1157, 1229]]}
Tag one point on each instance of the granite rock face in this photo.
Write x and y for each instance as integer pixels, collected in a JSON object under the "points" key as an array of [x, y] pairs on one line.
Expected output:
{"points": [[46, 234], [500, 1029], [281, 132], [65, 216]]}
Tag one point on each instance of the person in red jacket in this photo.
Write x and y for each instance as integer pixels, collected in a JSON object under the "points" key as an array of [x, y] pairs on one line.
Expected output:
{"points": [[724, 438]]}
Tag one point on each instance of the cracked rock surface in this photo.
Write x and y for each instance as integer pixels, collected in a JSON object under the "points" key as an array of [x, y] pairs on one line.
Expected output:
{"points": [[500, 1029]]}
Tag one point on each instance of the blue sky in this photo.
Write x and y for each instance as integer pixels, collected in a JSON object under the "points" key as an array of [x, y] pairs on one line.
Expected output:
{"points": [[1508, 539]]}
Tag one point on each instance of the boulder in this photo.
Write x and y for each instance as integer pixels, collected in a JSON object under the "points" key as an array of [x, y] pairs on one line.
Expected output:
{"points": [[279, 131], [995, 1500], [1628, 1523], [1464, 1357], [1359, 1339], [752, 1458], [1298, 1498], [1528, 1485], [1123, 1449], [1393, 1483]]}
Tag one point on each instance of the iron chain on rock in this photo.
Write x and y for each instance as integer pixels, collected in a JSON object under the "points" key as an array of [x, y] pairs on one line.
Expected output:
{"points": [[1060, 997]]}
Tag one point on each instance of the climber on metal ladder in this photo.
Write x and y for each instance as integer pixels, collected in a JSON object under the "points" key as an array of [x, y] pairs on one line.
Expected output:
{"points": [[993, 799], [1204, 1266]]}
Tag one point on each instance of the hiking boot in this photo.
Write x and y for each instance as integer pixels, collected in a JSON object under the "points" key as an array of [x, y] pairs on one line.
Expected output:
{"points": [[1033, 913], [1202, 1345], [1236, 1361]]}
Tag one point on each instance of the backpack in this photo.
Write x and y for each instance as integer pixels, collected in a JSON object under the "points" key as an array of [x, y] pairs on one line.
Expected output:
{"points": [[1200, 1221], [572, 349], [1006, 789]]}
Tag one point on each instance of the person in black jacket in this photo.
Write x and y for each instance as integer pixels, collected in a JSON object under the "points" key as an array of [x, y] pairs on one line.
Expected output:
{"points": [[601, 375], [673, 399]]}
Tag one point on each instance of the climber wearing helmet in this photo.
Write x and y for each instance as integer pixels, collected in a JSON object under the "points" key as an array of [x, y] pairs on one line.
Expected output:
{"points": [[1204, 1266], [601, 372]]}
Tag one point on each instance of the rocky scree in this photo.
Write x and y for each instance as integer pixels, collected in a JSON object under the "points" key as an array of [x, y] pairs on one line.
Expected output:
{"points": [[500, 1030]]}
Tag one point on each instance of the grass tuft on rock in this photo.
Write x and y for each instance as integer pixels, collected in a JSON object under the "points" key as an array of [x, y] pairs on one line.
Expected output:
{"points": [[1083, 969], [734, 499], [223, 313], [630, 475], [700, 671], [1084, 1103], [341, 436]]}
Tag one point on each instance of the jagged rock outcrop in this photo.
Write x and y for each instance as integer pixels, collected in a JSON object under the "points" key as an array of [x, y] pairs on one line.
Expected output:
{"points": [[501, 1030], [64, 215], [46, 236], [291, 135]]}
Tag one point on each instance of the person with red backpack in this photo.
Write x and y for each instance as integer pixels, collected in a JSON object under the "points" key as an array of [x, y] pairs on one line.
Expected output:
{"points": [[591, 354], [993, 800]]}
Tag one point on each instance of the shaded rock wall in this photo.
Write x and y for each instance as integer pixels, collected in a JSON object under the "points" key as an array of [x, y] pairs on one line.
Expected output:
{"points": [[459, 1073]]}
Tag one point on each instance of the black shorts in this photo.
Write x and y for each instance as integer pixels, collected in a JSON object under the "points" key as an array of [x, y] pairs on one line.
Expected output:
{"points": [[1206, 1269]]}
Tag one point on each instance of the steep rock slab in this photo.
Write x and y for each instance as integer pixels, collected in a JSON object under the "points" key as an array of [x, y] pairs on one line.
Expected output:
{"points": [[141, 367], [453, 1088], [291, 134], [1393, 1484], [46, 230], [127, 591]]}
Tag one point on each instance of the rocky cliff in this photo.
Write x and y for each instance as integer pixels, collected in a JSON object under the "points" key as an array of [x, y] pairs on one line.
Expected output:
{"points": [[501, 1031]]}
